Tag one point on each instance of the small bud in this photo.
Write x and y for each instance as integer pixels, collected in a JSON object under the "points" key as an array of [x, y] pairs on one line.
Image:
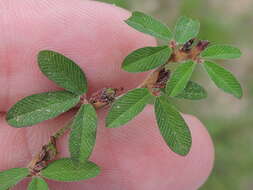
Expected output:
{"points": [[104, 96], [41, 160], [162, 79], [202, 45], [187, 46]]}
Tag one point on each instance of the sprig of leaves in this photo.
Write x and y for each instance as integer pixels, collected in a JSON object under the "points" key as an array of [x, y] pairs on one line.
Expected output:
{"points": [[179, 84], [40, 107], [159, 88]]}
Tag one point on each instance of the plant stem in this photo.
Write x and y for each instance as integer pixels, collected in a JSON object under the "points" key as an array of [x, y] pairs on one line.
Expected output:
{"points": [[62, 131]]}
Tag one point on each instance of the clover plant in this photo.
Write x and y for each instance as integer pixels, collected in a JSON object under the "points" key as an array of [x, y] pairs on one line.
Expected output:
{"points": [[162, 84]]}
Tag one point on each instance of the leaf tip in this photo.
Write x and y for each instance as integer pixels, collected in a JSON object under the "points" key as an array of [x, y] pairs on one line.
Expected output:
{"points": [[239, 95], [12, 121], [184, 153], [42, 54], [239, 53]]}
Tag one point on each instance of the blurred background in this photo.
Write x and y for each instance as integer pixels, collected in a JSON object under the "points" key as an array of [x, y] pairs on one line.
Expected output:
{"points": [[229, 121]]}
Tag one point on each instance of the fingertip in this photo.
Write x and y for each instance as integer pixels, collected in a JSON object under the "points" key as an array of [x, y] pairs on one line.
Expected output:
{"points": [[202, 154], [200, 132]]}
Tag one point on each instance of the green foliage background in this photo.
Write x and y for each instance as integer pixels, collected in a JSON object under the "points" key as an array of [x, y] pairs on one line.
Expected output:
{"points": [[228, 120]]}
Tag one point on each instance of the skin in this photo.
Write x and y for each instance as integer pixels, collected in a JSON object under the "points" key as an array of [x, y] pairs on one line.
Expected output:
{"points": [[133, 157]]}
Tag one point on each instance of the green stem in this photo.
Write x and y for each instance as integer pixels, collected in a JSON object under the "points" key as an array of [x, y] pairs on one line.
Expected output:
{"points": [[62, 131]]}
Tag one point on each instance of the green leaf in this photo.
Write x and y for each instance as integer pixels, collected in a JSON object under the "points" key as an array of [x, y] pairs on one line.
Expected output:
{"points": [[193, 91], [39, 107], [62, 71], [83, 135], [172, 126], [119, 3], [65, 170], [37, 184], [127, 107], [148, 25], [221, 52], [186, 29], [9, 178], [146, 59], [223, 79], [180, 78]]}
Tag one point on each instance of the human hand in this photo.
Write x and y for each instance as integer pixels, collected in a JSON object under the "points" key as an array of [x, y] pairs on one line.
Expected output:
{"points": [[133, 157]]}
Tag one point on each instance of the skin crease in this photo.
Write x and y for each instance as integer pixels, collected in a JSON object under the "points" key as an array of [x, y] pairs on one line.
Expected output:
{"points": [[133, 157]]}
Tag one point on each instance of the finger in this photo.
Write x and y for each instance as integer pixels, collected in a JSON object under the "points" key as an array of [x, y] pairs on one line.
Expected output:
{"points": [[92, 34], [136, 157]]}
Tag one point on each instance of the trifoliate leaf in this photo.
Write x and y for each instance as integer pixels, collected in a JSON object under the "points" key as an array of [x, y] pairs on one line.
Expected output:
{"points": [[148, 25], [223, 79], [221, 52], [65, 170], [9, 178], [193, 91], [146, 59], [172, 126], [40, 107], [127, 107], [186, 29], [62, 71], [38, 184], [180, 78], [83, 133], [119, 3]]}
